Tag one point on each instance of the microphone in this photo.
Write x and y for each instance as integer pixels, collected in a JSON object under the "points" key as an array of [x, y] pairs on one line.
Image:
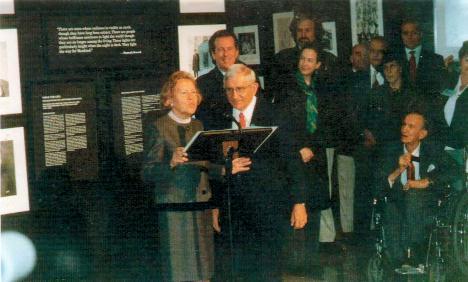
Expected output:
{"points": [[18, 256]]}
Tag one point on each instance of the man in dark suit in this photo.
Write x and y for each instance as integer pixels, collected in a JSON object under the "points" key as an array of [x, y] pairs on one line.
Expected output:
{"points": [[424, 69], [411, 175], [224, 50], [260, 200]]}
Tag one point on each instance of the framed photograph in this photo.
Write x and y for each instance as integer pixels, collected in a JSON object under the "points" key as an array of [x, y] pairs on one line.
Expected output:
{"points": [[14, 195], [202, 6], [366, 20], [7, 7], [10, 88], [194, 53], [282, 35], [329, 37], [249, 48]]}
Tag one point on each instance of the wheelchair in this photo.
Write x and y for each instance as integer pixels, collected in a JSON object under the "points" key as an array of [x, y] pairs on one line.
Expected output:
{"points": [[447, 249]]}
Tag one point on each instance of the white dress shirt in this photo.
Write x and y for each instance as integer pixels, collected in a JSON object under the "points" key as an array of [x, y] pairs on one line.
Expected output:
{"points": [[417, 54], [375, 75], [248, 113]]}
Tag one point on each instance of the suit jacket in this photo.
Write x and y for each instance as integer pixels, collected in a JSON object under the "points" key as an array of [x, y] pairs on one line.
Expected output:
{"points": [[435, 164], [430, 73], [267, 191], [455, 135], [294, 136], [214, 105], [186, 183]]}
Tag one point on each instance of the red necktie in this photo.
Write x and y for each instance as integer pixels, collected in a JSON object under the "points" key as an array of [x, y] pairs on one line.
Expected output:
{"points": [[412, 67], [242, 120]]}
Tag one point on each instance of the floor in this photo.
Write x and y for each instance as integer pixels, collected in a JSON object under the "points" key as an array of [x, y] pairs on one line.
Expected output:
{"points": [[127, 251]]}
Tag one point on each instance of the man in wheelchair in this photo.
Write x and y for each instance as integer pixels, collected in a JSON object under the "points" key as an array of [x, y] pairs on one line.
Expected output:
{"points": [[410, 177]]}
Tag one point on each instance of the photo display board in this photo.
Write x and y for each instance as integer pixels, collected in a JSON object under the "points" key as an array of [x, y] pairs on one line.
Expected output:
{"points": [[65, 129], [132, 100], [97, 42]]}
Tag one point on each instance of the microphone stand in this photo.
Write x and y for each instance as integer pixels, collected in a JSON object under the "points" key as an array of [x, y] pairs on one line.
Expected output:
{"points": [[229, 177]]}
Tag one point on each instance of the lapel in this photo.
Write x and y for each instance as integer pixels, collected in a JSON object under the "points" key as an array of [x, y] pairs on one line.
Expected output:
{"points": [[424, 160], [258, 116], [461, 108]]}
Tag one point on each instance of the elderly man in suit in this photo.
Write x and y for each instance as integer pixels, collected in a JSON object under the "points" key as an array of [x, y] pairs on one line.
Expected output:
{"points": [[411, 176], [261, 201]]}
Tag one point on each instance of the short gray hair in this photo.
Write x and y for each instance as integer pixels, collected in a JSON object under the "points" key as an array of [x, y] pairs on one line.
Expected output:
{"points": [[240, 69]]}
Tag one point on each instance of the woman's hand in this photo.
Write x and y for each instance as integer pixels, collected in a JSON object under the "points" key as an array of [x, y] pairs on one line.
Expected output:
{"points": [[306, 154], [178, 157], [215, 218], [241, 164]]}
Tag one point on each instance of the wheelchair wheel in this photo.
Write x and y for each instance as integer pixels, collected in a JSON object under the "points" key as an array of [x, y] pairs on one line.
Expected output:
{"points": [[460, 235], [376, 269]]}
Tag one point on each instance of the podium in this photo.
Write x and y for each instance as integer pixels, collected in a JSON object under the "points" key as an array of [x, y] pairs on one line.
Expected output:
{"points": [[214, 145]]}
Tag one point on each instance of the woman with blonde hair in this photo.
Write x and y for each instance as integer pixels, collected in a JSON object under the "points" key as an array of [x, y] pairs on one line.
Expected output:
{"points": [[181, 186]]}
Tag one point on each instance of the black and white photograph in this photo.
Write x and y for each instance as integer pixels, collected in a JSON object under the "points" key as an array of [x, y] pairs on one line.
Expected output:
{"points": [[281, 34], [194, 54], [14, 195], [366, 20], [249, 50], [329, 37], [10, 87]]}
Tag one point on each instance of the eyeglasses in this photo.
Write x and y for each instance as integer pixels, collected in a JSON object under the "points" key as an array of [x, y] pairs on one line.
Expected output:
{"points": [[238, 90]]}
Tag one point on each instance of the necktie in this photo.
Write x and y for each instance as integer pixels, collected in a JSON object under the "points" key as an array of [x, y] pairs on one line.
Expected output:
{"points": [[242, 120], [375, 83], [412, 66], [411, 173]]}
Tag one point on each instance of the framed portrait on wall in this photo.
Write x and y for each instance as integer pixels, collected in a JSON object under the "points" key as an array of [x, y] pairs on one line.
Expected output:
{"points": [[366, 20], [282, 35], [202, 6], [329, 37], [7, 7], [249, 48], [194, 52], [10, 87], [14, 195]]}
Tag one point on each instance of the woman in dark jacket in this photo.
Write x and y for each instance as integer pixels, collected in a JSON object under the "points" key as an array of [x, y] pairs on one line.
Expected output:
{"points": [[306, 114]]}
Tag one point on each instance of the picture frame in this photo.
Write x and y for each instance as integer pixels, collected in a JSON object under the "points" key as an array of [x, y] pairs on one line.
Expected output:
{"points": [[7, 7], [281, 34], [249, 47], [329, 37], [14, 195], [202, 6], [194, 52], [366, 20], [10, 86]]}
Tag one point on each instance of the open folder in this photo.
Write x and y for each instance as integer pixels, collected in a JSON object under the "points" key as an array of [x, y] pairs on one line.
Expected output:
{"points": [[213, 145]]}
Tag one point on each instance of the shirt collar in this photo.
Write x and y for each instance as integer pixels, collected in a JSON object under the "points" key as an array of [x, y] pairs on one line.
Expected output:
{"points": [[248, 112], [415, 152], [417, 52], [178, 119]]}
